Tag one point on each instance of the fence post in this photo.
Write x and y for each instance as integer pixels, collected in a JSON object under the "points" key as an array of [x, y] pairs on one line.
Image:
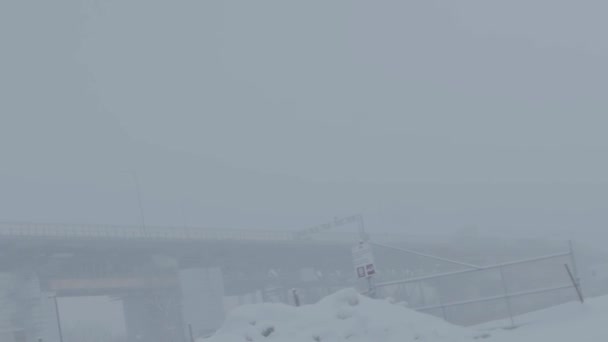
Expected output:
{"points": [[371, 289], [574, 266], [507, 299], [190, 331], [59, 329], [422, 293], [296, 297], [439, 296], [574, 283]]}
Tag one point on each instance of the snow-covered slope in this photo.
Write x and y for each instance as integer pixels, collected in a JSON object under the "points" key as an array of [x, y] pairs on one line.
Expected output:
{"points": [[565, 323], [344, 316], [348, 316]]}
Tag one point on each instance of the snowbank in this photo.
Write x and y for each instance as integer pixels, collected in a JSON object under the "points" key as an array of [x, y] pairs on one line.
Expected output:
{"points": [[344, 316], [347, 316], [565, 323]]}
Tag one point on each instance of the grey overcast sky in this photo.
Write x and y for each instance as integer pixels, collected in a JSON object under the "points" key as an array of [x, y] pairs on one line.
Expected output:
{"points": [[425, 115]]}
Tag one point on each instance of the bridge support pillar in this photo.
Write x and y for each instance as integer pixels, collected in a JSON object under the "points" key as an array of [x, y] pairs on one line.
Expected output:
{"points": [[202, 297], [26, 312], [195, 305], [154, 317]]}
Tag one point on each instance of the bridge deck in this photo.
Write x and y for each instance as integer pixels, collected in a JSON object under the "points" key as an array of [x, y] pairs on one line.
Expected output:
{"points": [[116, 232]]}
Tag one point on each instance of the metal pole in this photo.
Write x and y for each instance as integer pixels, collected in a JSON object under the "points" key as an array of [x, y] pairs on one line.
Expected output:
{"points": [[58, 319], [573, 260], [183, 212], [439, 295], [362, 234], [576, 286], [507, 299], [370, 287], [191, 334], [139, 202], [296, 297], [422, 293]]}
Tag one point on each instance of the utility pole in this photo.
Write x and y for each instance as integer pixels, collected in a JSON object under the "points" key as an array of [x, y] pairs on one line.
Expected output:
{"points": [[191, 333], [58, 318], [362, 233], [139, 202]]}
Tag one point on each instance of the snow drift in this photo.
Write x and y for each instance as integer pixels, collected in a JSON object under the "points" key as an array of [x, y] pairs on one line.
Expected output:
{"points": [[343, 316], [347, 316], [565, 323]]}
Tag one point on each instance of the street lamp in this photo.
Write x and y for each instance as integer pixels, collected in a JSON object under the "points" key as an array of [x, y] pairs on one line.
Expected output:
{"points": [[140, 206], [59, 329]]}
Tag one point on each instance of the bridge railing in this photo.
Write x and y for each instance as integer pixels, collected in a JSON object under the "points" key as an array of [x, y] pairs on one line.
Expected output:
{"points": [[91, 231]]}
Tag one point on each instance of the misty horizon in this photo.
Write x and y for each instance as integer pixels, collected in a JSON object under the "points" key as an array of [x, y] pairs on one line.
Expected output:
{"points": [[419, 115]]}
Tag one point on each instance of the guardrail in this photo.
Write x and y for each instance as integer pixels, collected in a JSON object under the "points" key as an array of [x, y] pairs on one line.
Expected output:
{"points": [[92, 231], [25, 230]]}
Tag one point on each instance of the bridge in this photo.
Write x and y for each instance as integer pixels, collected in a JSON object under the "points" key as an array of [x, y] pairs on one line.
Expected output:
{"points": [[173, 279], [163, 275]]}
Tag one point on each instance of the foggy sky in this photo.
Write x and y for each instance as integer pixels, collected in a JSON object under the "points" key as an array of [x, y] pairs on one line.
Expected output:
{"points": [[426, 116]]}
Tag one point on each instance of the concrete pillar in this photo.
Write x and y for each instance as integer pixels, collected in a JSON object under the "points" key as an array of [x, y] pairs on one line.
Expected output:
{"points": [[26, 312], [153, 317], [202, 298]]}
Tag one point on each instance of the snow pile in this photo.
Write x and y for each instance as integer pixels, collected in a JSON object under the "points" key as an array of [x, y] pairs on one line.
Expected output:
{"points": [[565, 323], [344, 316], [347, 316]]}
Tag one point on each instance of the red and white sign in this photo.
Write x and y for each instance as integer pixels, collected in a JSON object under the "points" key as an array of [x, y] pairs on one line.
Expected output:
{"points": [[363, 260]]}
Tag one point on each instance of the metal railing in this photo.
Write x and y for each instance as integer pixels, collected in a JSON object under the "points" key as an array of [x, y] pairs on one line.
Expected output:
{"points": [[479, 294], [94, 231], [471, 270]]}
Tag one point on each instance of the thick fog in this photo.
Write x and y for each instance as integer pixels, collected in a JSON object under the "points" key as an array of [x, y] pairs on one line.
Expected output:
{"points": [[422, 115], [428, 118]]}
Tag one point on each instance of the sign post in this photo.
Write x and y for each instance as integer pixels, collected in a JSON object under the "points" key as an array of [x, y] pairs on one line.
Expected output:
{"points": [[363, 261]]}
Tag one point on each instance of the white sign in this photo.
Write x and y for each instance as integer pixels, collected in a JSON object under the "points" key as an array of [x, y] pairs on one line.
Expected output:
{"points": [[363, 260]]}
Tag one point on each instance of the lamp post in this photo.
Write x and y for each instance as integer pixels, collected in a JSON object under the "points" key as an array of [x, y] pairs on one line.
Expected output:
{"points": [[139, 203], [59, 329], [140, 206]]}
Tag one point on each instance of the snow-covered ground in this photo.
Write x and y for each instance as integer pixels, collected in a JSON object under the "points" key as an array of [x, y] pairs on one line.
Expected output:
{"points": [[570, 322], [347, 316], [343, 316]]}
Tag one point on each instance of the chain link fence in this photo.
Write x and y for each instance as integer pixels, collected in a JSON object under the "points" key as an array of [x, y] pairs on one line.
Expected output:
{"points": [[489, 293]]}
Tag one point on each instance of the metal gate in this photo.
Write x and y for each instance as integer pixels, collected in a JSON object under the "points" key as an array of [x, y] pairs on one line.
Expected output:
{"points": [[481, 294]]}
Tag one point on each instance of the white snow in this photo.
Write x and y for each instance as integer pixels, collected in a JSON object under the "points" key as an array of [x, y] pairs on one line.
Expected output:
{"points": [[344, 316], [565, 323], [348, 316]]}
